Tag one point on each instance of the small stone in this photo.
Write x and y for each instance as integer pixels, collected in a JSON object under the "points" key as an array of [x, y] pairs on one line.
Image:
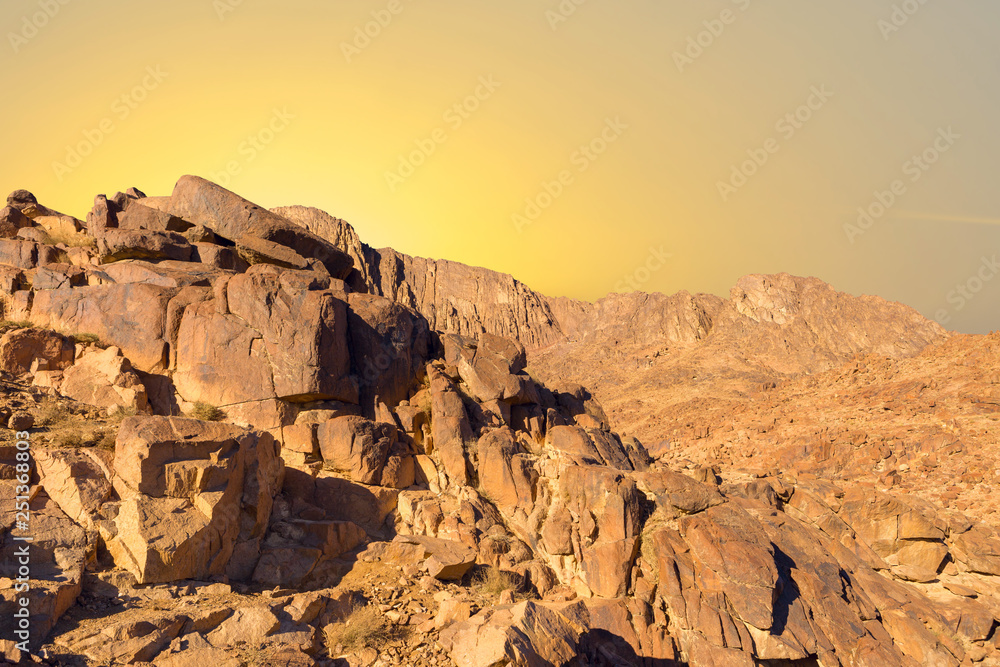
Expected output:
{"points": [[20, 421]]}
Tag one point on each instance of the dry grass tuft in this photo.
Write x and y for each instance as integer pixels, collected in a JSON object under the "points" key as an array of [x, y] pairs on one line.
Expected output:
{"points": [[86, 338], [7, 325], [70, 239], [491, 582], [206, 412], [364, 627]]}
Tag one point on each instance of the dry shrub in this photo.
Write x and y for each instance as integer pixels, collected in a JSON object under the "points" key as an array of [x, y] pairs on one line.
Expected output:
{"points": [[206, 412], [364, 627], [492, 581]]}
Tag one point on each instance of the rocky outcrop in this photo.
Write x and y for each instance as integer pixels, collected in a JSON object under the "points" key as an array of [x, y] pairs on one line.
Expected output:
{"points": [[408, 437], [196, 498], [201, 202]]}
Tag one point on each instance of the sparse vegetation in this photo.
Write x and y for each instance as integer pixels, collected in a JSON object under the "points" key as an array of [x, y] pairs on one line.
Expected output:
{"points": [[364, 627], [492, 581], [656, 521], [107, 440], [7, 325], [68, 439], [53, 414], [206, 412], [86, 338], [118, 413], [70, 239]]}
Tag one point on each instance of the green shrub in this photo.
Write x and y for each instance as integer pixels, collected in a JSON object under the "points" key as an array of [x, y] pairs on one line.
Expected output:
{"points": [[206, 412]]}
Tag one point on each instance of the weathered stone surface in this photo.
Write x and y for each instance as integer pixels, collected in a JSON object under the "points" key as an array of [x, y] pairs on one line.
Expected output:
{"points": [[356, 446], [11, 220], [399, 472], [77, 481], [389, 347], [246, 332], [450, 426], [734, 556], [505, 476], [139, 216], [117, 244], [191, 492], [104, 378], [201, 202], [24, 350], [444, 559], [253, 250], [55, 556], [130, 316], [245, 626], [524, 634]]}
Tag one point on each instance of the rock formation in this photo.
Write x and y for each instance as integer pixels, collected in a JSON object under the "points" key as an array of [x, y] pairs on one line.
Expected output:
{"points": [[254, 440]]}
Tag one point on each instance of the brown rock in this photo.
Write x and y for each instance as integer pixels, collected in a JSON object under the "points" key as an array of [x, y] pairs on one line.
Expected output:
{"points": [[77, 481], [445, 559], [399, 472], [249, 625], [389, 347], [24, 351], [129, 316], [357, 446], [104, 378], [11, 220], [139, 216], [527, 633], [253, 250], [200, 202], [117, 244], [192, 492]]}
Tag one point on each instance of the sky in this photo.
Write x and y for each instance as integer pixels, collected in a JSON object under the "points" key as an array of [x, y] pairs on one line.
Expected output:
{"points": [[584, 146]]}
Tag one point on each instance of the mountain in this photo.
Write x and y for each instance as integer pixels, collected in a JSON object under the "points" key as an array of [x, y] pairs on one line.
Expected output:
{"points": [[243, 436]]}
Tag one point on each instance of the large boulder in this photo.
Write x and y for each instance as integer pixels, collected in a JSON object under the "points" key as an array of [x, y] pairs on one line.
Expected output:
{"points": [[24, 351], [356, 446], [451, 431], [528, 633], [132, 317], [389, 347], [202, 202], [245, 331], [139, 216], [77, 480], [196, 498], [114, 245], [104, 377]]}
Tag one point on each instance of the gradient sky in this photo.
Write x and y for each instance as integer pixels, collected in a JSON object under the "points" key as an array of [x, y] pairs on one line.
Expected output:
{"points": [[329, 125]]}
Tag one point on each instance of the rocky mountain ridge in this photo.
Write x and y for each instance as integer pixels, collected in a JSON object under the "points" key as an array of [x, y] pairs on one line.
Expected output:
{"points": [[257, 441]]}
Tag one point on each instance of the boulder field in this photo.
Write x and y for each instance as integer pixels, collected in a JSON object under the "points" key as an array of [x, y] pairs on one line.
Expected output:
{"points": [[255, 440]]}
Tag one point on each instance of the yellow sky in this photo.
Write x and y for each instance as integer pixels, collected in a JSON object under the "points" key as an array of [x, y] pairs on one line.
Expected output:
{"points": [[583, 144]]}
